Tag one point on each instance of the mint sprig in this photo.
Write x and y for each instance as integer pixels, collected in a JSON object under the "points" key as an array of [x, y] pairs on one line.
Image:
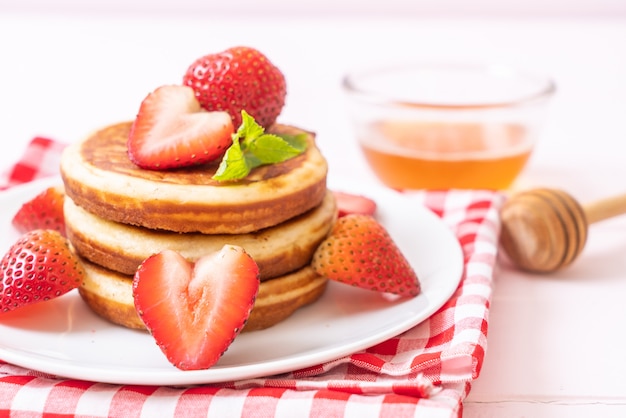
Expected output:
{"points": [[252, 148]]}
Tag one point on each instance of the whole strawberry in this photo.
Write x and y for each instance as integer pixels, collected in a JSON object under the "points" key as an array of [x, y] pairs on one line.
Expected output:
{"points": [[44, 211], [240, 78], [38, 267], [360, 252]]}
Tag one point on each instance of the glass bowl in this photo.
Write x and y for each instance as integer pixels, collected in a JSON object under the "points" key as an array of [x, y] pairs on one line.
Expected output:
{"points": [[447, 125]]}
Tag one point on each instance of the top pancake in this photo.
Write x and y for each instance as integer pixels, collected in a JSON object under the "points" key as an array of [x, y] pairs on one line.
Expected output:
{"points": [[99, 177]]}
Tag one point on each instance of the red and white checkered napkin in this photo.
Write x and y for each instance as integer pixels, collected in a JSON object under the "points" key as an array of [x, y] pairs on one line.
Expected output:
{"points": [[424, 372]]}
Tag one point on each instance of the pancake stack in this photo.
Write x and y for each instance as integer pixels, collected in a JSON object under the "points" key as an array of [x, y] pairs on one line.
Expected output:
{"points": [[118, 214]]}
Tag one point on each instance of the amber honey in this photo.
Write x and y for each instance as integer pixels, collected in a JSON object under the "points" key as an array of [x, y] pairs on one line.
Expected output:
{"points": [[418, 155]]}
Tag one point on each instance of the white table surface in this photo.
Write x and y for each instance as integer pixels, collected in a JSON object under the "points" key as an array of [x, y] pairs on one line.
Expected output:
{"points": [[557, 342]]}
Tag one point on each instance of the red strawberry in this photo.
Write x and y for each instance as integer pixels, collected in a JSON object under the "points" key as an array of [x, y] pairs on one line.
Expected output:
{"points": [[44, 211], [38, 267], [194, 311], [171, 130], [237, 79], [348, 203], [360, 252]]}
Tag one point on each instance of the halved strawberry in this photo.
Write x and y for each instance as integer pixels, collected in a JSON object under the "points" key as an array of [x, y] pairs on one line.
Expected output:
{"points": [[38, 267], [348, 203], [172, 130], [44, 211], [360, 252], [194, 311]]}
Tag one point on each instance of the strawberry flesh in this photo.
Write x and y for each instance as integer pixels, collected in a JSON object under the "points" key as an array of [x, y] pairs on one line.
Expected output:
{"points": [[44, 211], [40, 266], [172, 130], [195, 310], [239, 78], [360, 252], [349, 203]]}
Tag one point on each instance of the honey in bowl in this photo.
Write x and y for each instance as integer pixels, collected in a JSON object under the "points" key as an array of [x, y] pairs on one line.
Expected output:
{"points": [[447, 125], [441, 155]]}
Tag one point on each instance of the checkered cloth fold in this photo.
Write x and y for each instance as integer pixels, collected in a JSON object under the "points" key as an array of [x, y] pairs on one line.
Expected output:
{"points": [[425, 372]]}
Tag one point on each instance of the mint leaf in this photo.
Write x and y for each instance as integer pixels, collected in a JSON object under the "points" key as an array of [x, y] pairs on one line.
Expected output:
{"points": [[270, 149], [252, 147], [296, 141], [233, 164], [249, 130]]}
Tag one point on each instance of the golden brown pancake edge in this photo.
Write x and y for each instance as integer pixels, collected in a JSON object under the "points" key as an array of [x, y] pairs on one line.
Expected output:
{"points": [[109, 294], [99, 176], [277, 250]]}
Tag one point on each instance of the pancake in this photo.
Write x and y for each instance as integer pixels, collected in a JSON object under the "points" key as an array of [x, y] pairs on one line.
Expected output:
{"points": [[277, 250], [110, 295], [99, 176]]}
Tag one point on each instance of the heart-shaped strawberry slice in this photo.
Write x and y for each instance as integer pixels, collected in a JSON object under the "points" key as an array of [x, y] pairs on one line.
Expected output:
{"points": [[195, 311], [172, 130], [348, 203]]}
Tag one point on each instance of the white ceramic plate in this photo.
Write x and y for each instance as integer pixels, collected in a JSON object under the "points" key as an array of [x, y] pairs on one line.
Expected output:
{"points": [[63, 337]]}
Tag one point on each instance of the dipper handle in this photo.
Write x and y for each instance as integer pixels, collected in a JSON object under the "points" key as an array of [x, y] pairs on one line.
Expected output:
{"points": [[606, 208], [544, 230]]}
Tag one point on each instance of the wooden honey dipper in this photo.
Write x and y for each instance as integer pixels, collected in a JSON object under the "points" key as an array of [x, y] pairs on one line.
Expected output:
{"points": [[544, 230]]}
